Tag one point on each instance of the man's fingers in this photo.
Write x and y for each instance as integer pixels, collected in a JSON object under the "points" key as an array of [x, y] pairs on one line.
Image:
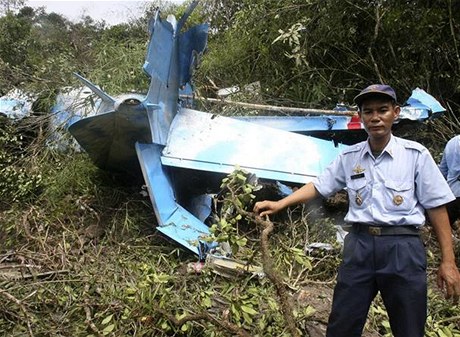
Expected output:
{"points": [[452, 293], [265, 212], [449, 290], [449, 281], [262, 208], [266, 207], [440, 281], [456, 292], [258, 207]]}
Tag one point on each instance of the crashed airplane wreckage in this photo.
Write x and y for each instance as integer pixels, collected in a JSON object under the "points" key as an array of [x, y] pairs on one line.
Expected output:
{"points": [[171, 144]]}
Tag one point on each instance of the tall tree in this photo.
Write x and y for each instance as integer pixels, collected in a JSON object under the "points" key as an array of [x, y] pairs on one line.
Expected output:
{"points": [[7, 6], [319, 52]]}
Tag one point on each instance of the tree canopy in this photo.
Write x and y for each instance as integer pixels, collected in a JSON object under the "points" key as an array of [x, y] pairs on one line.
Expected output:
{"points": [[305, 52], [321, 52]]}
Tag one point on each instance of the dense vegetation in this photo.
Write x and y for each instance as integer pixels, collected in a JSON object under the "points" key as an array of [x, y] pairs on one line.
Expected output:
{"points": [[324, 51], [79, 254]]}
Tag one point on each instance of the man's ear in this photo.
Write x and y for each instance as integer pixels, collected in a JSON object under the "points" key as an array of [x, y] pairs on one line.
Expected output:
{"points": [[397, 110]]}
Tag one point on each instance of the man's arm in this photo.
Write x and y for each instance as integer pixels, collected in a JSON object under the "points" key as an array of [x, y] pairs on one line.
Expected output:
{"points": [[304, 194], [443, 165], [448, 275]]}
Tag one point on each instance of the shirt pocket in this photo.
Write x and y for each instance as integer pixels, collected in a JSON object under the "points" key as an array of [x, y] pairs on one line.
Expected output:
{"points": [[398, 195], [357, 191]]}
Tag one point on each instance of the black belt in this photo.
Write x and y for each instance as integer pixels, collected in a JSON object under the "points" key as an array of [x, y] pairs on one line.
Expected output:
{"points": [[383, 230]]}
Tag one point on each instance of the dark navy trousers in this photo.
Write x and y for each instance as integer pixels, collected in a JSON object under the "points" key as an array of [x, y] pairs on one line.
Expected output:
{"points": [[395, 266]]}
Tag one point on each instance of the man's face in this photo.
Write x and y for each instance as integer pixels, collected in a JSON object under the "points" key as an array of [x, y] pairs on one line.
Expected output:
{"points": [[378, 115]]}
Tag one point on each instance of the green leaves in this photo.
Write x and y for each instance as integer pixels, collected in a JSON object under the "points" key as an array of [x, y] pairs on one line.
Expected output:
{"points": [[108, 325], [313, 52], [248, 309], [301, 258], [238, 194], [19, 180], [321, 52]]}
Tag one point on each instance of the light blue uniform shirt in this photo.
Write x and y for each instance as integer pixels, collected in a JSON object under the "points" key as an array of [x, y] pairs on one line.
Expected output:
{"points": [[392, 189], [450, 164]]}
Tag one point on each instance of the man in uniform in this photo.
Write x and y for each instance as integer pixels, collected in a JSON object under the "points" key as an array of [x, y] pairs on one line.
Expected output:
{"points": [[450, 169], [390, 182]]}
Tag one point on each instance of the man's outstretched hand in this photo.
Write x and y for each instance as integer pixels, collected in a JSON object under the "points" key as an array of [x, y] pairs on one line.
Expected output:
{"points": [[267, 207], [449, 281]]}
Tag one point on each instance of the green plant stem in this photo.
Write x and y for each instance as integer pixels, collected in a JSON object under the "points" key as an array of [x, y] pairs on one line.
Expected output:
{"points": [[269, 270]]}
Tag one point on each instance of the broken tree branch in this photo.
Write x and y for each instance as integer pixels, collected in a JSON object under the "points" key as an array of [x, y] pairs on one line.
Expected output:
{"points": [[280, 109], [378, 18], [34, 276], [281, 289], [21, 306], [204, 316]]}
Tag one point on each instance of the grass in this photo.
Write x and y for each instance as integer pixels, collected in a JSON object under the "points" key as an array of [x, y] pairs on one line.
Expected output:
{"points": [[80, 257]]}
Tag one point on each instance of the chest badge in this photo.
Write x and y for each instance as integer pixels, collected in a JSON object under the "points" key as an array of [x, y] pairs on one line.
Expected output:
{"points": [[398, 200], [358, 169]]}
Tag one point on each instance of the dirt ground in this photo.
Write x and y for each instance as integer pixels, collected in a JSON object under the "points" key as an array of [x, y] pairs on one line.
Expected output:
{"points": [[320, 297]]}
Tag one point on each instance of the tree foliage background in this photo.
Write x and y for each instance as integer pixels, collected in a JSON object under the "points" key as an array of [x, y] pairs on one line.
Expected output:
{"points": [[302, 51], [321, 52], [79, 255]]}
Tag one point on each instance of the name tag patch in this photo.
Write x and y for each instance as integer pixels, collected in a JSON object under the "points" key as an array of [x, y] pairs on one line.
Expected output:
{"points": [[357, 176]]}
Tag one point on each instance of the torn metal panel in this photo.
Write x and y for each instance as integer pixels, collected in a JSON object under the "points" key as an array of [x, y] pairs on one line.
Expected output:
{"points": [[173, 220], [301, 124], [109, 138], [171, 57], [218, 144], [16, 104], [421, 106]]}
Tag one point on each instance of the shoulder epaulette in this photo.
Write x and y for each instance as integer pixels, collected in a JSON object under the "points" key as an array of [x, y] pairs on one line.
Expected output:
{"points": [[353, 148], [410, 144]]}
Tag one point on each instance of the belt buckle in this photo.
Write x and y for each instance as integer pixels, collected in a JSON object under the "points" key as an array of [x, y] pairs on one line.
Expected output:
{"points": [[374, 230]]}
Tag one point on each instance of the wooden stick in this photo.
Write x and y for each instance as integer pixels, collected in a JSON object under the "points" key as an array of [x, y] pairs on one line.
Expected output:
{"points": [[274, 108], [15, 266], [40, 275], [10, 297]]}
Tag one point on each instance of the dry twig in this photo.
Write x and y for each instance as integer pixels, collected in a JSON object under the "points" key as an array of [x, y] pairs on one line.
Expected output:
{"points": [[281, 289], [11, 298], [207, 317]]}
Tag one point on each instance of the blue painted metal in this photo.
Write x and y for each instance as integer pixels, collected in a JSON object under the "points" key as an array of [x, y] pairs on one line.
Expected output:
{"points": [[171, 57], [129, 132], [301, 124], [420, 106], [109, 138], [154, 135], [16, 104], [218, 144], [173, 220]]}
